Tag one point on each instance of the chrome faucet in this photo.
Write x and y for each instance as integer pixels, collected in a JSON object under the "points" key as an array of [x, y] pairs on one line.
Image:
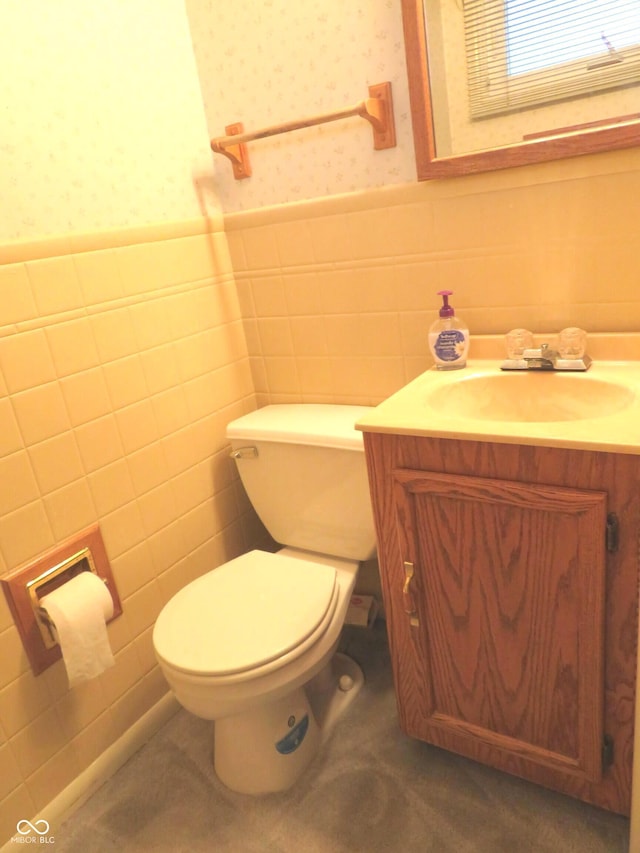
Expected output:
{"points": [[542, 358], [570, 354]]}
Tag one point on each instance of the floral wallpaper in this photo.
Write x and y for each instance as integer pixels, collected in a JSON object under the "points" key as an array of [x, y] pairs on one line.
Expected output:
{"points": [[101, 115], [107, 116], [276, 61]]}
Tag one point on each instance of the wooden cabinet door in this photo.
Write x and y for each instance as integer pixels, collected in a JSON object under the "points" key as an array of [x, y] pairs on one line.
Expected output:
{"points": [[504, 587]]}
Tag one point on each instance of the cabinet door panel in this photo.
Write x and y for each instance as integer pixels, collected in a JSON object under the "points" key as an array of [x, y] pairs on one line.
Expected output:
{"points": [[509, 589]]}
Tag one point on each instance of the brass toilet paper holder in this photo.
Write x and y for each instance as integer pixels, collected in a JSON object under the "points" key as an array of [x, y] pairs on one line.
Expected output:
{"points": [[49, 580], [27, 585]]}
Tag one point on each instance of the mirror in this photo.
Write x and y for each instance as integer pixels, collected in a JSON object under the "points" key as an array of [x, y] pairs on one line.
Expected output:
{"points": [[448, 142]]}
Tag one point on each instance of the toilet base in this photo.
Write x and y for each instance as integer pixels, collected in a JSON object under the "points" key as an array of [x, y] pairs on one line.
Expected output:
{"points": [[267, 749], [333, 690]]}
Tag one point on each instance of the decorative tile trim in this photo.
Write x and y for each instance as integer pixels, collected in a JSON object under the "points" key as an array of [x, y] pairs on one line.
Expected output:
{"points": [[71, 244], [578, 168]]}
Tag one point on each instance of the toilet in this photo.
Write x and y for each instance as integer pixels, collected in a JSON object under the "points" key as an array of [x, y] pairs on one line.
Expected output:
{"points": [[252, 644]]}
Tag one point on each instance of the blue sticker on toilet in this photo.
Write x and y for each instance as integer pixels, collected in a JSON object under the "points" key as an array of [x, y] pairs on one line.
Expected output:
{"points": [[292, 740]]}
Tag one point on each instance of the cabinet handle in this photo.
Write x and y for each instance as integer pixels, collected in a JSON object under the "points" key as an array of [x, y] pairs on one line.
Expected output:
{"points": [[407, 594]]}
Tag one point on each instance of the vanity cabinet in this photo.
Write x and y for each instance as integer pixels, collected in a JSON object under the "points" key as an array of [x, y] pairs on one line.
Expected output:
{"points": [[510, 583]]}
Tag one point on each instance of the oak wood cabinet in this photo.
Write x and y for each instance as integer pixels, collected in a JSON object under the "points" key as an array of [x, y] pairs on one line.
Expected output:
{"points": [[510, 583]]}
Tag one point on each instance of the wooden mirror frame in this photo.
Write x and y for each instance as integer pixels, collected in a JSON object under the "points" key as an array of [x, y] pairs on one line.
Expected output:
{"points": [[576, 141]]}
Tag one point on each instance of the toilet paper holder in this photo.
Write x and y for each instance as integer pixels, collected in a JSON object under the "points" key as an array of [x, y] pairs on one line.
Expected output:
{"points": [[27, 585], [49, 580]]}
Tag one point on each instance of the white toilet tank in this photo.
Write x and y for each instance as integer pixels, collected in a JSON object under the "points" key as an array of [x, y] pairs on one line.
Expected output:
{"points": [[304, 470]]}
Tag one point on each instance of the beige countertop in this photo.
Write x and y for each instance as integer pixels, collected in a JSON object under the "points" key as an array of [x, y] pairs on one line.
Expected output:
{"points": [[594, 410]]}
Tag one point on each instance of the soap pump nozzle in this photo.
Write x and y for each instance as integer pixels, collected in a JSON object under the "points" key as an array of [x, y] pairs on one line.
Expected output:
{"points": [[446, 310]]}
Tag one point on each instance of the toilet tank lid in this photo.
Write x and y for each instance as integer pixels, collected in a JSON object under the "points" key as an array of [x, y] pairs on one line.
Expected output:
{"points": [[325, 425]]}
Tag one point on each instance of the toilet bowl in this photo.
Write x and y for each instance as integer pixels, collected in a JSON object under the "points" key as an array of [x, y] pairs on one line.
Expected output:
{"points": [[282, 681], [252, 644]]}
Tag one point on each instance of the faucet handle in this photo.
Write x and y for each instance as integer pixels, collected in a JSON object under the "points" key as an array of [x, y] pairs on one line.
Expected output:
{"points": [[518, 340], [572, 343]]}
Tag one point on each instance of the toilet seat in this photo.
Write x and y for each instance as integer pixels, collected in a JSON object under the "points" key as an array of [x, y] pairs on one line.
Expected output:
{"points": [[249, 616]]}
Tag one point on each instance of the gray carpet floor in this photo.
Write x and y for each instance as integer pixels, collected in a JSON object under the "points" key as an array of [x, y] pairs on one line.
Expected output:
{"points": [[370, 789]]}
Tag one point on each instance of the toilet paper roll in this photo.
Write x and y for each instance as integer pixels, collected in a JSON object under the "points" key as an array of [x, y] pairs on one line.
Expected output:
{"points": [[79, 610]]}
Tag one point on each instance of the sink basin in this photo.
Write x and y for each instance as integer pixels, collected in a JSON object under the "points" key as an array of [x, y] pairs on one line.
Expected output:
{"points": [[598, 409], [530, 397]]}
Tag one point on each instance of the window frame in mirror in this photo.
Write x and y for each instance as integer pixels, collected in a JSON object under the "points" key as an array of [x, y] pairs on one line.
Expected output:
{"points": [[429, 165]]}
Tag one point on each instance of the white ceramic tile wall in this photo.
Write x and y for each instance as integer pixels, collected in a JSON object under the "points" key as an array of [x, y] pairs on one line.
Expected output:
{"points": [[338, 294], [119, 369]]}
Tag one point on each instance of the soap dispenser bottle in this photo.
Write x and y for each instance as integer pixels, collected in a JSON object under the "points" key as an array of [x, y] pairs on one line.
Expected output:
{"points": [[448, 337]]}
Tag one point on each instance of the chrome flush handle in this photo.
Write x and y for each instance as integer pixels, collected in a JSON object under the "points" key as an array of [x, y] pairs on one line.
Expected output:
{"points": [[248, 452]]}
